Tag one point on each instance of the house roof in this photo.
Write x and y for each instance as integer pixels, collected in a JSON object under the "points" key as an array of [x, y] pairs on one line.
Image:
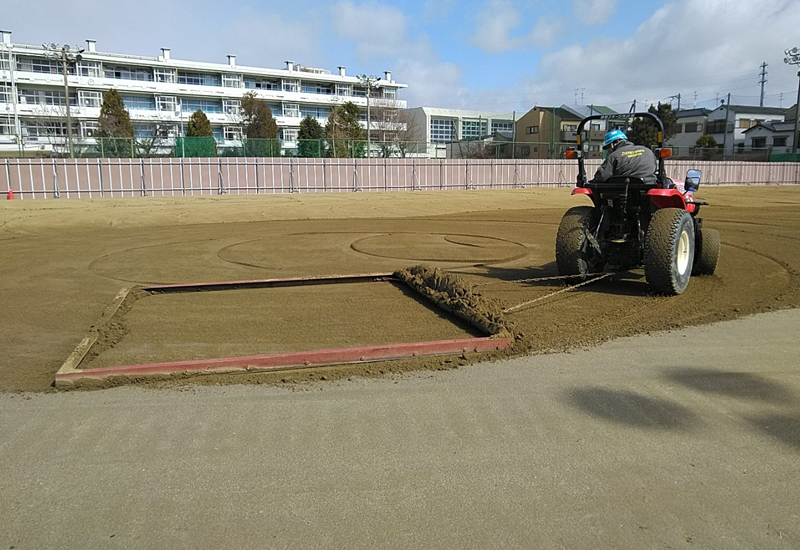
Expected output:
{"points": [[753, 109], [683, 113], [582, 111], [773, 126]]}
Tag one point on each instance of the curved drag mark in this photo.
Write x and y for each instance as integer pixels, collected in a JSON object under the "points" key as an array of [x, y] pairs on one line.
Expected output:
{"points": [[236, 262], [94, 267], [358, 246]]}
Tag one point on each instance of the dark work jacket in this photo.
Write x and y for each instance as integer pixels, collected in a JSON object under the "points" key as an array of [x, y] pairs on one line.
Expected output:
{"points": [[629, 160]]}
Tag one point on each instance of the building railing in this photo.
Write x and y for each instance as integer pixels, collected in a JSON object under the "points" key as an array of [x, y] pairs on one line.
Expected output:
{"points": [[27, 178]]}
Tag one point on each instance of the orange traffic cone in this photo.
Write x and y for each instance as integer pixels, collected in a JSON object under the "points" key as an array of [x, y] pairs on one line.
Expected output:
{"points": [[10, 194]]}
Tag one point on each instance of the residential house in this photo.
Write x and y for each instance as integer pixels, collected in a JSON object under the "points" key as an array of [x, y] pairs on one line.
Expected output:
{"points": [[730, 134], [691, 126]]}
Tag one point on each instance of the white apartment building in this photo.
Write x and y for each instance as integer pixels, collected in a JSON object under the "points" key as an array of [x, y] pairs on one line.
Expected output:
{"points": [[438, 127], [160, 93]]}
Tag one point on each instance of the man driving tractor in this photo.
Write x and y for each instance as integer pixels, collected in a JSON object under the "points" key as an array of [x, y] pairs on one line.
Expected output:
{"points": [[626, 159]]}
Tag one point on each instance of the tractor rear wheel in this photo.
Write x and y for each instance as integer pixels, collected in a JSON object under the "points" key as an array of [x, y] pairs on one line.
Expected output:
{"points": [[669, 251], [706, 253], [575, 256]]}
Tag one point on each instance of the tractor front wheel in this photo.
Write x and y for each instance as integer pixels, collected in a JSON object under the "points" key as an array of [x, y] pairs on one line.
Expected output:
{"points": [[706, 253], [575, 257], [669, 251]]}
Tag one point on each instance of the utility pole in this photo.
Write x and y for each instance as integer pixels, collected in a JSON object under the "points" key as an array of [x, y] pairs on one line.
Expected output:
{"points": [[368, 82], [793, 58], [763, 81], [725, 135], [67, 58], [678, 97]]}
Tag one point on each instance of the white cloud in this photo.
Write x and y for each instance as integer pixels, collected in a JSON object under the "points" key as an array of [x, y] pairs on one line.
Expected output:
{"points": [[434, 84], [687, 46], [594, 12], [498, 21], [546, 32], [378, 30], [495, 24]]}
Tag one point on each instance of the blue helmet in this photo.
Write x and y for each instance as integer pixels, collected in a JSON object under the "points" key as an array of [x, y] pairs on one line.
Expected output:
{"points": [[612, 136]]}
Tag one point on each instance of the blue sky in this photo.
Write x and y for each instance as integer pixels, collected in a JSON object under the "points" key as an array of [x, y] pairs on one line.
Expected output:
{"points": [[493, 55]]}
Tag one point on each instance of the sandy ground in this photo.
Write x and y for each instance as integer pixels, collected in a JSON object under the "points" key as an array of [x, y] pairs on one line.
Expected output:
{"points": [[63, 261]]}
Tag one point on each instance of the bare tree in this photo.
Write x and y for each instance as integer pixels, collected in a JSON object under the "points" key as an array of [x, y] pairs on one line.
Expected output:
{"points": [[400, 133]]}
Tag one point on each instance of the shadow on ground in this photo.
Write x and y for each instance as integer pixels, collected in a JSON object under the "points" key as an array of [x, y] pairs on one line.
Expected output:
{"points": [[632, 409], [742, 385]]}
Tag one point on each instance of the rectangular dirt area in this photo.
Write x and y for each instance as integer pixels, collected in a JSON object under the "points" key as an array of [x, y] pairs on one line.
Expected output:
{"points": [[182, 326]]}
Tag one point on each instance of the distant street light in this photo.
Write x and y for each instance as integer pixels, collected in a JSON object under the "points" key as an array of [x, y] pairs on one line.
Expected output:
{"points": [[368, 82], [67, 58], [793, 58]]}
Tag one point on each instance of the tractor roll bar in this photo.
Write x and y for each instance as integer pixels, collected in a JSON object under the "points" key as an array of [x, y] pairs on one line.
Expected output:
{"points": [[621, 116]]}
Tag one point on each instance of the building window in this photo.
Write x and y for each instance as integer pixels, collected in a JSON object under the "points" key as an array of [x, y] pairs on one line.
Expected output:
{"points": [[167, 103], [198, 79], [90, 99], [257, 83], [90, 68], [532, 130], [443, 130], [41, 65], [759, 142], [525, 150], [473, 129], [344, 89], [190, 105], [167, 76], [289, 134], [744, 123], [389, 93], [291, 110], [692, 127], [5, 94], [502, 126], [46, 129], [290, 84], [139, 102], [231, 80], [28, 97], [6, 127], [88, 128], [779, 141], [232, 133], [231, 106], [320, 113], [128, 73], [317, 88]]}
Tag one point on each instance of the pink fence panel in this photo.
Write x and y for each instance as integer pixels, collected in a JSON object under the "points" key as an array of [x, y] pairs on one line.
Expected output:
{"points": [[169, 177]]}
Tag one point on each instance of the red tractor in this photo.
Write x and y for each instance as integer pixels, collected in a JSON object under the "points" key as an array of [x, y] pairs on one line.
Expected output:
{"points": [[632, 224]]}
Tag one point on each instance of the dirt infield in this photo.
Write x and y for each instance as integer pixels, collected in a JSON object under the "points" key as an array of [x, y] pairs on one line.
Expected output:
{"points": [[63, 261]]}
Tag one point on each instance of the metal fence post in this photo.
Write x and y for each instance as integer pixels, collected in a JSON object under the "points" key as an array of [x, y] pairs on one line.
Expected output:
{"points": [[56, 189], [220, 187], [144, 183]]}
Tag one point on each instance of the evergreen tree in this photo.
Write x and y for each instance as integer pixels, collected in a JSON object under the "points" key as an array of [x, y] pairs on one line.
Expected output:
{"points": [[346, 137], [644, 131], [199, 126], [258, 127], [114, 127], [199, 140], [310, 138]]}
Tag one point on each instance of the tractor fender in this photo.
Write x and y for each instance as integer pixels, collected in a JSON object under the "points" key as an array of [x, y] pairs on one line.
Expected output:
{"points": [[669, 198], [581, 191]]}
